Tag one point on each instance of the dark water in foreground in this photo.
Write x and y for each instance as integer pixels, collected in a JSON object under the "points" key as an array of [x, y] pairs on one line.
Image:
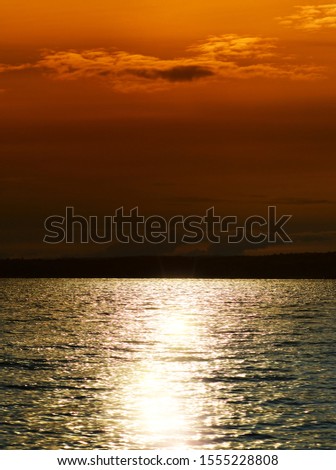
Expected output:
{"points": [[147, 364]]}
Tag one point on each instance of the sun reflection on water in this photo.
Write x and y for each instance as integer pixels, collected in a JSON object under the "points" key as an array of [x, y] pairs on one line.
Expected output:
{"points": [[163, 397], [161, 414], [156, 396], [158, 392]]}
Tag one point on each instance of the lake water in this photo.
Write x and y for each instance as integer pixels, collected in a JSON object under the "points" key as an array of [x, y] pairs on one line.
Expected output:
{"points": [[167, 364]]}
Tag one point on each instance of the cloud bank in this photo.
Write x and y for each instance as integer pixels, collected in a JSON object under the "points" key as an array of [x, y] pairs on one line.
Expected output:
{"points": [[311, 17], [226, 57]]}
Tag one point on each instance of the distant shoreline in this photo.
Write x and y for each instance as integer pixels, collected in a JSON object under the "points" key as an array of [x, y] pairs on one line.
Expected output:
{"points": [[281, 266]]}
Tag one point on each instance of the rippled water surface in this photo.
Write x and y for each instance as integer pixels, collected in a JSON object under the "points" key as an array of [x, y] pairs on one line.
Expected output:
{"points": [[157, 363]]}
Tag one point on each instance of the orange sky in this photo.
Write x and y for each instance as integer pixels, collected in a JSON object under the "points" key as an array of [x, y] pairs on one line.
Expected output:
{"points": [[78, 22], [173, 107]]}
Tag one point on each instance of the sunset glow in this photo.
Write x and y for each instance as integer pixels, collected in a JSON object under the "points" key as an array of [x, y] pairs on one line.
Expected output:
{"points": [[169, 107]]}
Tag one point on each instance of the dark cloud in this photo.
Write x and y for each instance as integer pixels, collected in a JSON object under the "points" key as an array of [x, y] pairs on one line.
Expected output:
{"points": [[181, 73], [185, 73]]}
